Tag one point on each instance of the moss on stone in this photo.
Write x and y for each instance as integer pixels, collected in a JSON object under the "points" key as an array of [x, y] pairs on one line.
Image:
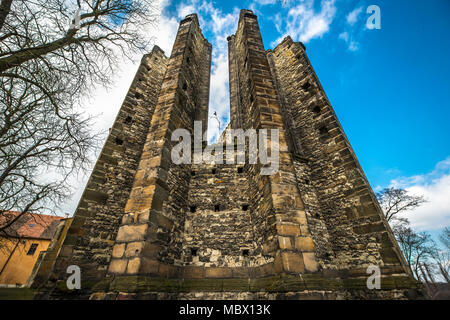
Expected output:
{"points": [[16, 294], [202, 285], [242, 284], [124, 284]]}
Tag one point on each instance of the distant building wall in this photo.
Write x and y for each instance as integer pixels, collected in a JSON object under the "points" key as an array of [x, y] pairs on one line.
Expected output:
{"points": [[16, 264], [46, 260]]}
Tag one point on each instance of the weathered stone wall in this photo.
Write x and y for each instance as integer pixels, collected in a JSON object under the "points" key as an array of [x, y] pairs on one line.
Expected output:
{"points": [[395, 294], [218, 228], [338, 285], [344, 217], [150, 238], [92, 234], [235, 95], [147, 228], [281, 228]]}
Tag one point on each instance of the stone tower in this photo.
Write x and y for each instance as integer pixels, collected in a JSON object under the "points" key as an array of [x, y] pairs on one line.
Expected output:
{"points": [[146, 228]]}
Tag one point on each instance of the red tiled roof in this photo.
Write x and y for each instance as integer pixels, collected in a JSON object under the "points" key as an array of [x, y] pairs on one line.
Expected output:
{"points": [[29, 225]]}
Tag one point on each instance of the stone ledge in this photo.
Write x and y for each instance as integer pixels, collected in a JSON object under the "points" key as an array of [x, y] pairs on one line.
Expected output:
{"points": [[16, 294], [280, 283]]}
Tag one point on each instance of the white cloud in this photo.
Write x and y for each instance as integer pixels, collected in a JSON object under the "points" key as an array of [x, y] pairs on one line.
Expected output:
{"points": [[435, 187], [352, 45], [219, 97], [220, 25], [166, 33], [278, 21], [266, 2], [352, 17], [344, 36], [304, 23], [105, 103], [184, 10]]}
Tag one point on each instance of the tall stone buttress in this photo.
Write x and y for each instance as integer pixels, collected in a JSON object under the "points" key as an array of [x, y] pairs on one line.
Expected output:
{"points": [[146, 228]]}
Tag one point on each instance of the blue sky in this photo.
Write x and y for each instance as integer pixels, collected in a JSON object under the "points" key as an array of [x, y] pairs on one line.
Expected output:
{"points": [[391, 94], [389, 87]]}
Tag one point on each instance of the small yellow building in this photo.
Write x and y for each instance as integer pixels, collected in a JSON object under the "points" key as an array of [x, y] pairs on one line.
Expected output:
{"points": [[21, 243]]}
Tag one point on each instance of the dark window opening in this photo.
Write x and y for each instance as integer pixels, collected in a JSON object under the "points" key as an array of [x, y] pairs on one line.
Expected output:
{"points": [[138, 95], [156, 59], [306, 181], [184, 86], [188, 60], [193, 208], [119, 141], [245, 252], [148, 68], [192, 173], [32, 249], [128, 119], [323, 130], [194, 252], [251, 99], [217, 208], [299, 56], [240, 169], [306, 86], [244, 207], [214, 171], [316, 109]]}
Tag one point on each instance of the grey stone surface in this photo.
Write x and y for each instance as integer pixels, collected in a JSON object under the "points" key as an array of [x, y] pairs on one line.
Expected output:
{"points": [[147, 228]]}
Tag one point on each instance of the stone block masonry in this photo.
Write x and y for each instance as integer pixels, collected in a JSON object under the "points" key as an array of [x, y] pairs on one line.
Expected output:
{"points": [[90, 240], [147, 228], [344, 217], [155, 212]]}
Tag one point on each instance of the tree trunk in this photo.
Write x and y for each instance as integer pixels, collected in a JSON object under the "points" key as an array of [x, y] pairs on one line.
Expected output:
{"points": [[444, 273], [426, 282], [17, 58], [5, 8]]}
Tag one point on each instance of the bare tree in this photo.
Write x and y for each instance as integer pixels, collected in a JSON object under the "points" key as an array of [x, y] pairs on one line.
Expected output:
{"points": [[442, 255], [444, 237], [39, 148], [394, 201], [417, 248], [41, 30], [5, 7], [52, 53], [442, 259], [421, 253]]}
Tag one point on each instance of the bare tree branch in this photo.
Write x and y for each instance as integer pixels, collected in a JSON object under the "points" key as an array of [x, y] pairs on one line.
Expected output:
{"points": [[5, 7], [394, 201], [417, 248], [47, 65]]}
